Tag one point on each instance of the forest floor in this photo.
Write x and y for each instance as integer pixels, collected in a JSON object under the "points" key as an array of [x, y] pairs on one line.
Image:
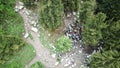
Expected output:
{"points": [[73, 59]]}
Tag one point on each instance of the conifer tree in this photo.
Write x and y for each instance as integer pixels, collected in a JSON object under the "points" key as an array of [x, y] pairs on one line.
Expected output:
{"points": [[51, 14], [92, 24], [110, 7], [110, 55]]}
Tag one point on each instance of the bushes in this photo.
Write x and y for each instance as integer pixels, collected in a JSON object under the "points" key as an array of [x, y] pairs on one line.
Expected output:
{"points": [[109, 57], [10, 22], [20, 58], [9, 45], [92, 29], [63, 44], [29, 3], [106, 59], [92, 24], [37, 65], [71, 5], [110, 7], [52, 11], [11, 28], [51, 14]]}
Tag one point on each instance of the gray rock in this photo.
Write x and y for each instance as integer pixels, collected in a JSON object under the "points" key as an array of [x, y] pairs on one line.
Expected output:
{"points": [[32, 22], [21, 3], [56, 63], [53, 55], [26, 35], [73, 65], [74, 13], [34, 29], [61, 60], [66, 65]]}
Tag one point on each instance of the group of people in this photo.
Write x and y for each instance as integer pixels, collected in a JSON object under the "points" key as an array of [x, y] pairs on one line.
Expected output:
{"points": [[74, 32]]}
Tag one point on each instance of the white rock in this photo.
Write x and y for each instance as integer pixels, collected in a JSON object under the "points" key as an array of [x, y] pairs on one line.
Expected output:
{"points": [[16, 10], [74, 13], [20, 7], [75, 18], [66, 65], [73, 65], [72, 54], [62, 60], [48, 34], [80, 41], [33, 22], [67, 59], [27, 12], [80, 45], [56, 63], [21, 3], [88, 56], [82, 66], [53, 55], [34, 29], [80, 51], [26, 35], [68, 15]]}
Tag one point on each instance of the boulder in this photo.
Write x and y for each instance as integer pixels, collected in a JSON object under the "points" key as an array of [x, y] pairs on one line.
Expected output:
{"points": [[21, 3], [56, 63], [53, 55], [27, 12], [16, 9], [61, 60], [34, 29], [66, 65], [33, 22], [74, 13], [26, 35], [20, 7]]}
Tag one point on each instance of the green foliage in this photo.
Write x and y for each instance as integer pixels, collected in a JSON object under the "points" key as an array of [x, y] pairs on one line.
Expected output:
{"points": [[92, 24], [92, 29], [111, 36], [11, 28], [29, 3], [10, 22], [63, 44], [37, 65], [9, 45], [14, 65], [71, 5], [86, 10], [20, 58], [110, 55], [110, 7], [107, 59], [51, 14]]}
